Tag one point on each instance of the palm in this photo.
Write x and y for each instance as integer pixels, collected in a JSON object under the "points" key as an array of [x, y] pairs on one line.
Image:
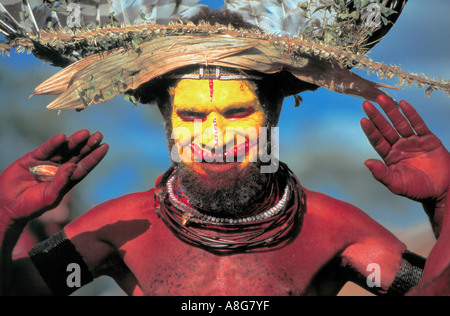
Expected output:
{"points": [[23, 190], [412, 163], [26, 197], [416, 164]]}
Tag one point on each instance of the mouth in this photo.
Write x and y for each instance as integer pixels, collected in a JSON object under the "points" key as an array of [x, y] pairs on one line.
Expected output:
{"points": [[217, 168], [236, 154]]}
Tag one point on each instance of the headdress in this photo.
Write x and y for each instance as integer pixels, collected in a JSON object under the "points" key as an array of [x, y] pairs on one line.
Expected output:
{"points": [[112, 47]]}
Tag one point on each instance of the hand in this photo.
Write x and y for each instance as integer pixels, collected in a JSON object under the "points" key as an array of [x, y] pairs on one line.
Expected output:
{"points": [[25, 197], [416, 164]]}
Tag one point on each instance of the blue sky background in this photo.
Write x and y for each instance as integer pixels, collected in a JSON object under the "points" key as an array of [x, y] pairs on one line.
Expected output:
{"points": [[321, 141]]}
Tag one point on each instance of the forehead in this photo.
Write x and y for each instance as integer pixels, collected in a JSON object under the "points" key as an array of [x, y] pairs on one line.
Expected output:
{"points": [[194, 93]]}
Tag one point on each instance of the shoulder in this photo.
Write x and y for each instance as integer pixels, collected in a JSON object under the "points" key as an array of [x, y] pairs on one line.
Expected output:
{"points": [[332, 210], [348, 223], [130, 207], [342, 214]]}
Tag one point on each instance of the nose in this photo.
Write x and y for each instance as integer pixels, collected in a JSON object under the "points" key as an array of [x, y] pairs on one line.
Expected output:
{"points": [[213, 132]]}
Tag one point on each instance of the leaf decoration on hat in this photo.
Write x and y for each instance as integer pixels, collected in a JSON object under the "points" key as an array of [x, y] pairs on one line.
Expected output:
{"points": [[34, 15], [21, 19], [317, 41], [353, 24]]}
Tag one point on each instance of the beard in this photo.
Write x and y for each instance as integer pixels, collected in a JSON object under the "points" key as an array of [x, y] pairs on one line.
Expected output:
{"points": [[227, 194]]}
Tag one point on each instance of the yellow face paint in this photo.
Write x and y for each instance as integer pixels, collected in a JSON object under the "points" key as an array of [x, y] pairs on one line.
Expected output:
{"points": [[213, 115]]}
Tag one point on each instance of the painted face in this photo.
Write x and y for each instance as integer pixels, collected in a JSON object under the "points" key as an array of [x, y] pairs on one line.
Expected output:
{"points": [[216, 124]]}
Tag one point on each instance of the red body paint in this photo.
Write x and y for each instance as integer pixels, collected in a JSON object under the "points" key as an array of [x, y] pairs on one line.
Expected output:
{"points": [[211, 89]]}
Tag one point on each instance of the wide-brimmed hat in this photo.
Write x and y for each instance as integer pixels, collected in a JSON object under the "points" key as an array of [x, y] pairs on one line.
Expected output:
{"points": [[112, 47]]}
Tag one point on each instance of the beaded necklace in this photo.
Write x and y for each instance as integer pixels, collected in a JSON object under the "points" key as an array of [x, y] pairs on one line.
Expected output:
{"points": [[267, 228], [191, 214]]}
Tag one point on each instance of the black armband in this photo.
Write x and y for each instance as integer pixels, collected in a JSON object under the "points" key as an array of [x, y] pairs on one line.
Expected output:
{"points": [[408, 274], [60, 264]]}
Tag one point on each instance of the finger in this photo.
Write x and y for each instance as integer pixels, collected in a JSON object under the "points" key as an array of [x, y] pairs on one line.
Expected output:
{"points": [[85, 148], [78, 138], [400, 123], [60, 184], [47, 149], [72, 144], [88, 163], [414, 118], [75, 142], [378, 142], [93, 142], [378, 169], [384, 127]]}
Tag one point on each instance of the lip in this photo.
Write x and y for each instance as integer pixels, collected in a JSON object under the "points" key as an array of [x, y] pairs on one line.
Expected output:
{"points": [[235, 154], [218, 167]]}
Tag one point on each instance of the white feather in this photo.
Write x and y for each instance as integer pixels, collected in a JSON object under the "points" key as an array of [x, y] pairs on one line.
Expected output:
{"points": [[189, 8], [253, 11], [276, 16], [8, 24]]}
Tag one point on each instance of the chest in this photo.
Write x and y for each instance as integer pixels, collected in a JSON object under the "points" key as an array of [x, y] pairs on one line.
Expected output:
{"points": [[168, 266]]}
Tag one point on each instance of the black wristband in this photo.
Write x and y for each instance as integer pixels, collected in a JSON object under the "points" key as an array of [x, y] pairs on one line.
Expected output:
{"points": [[408, 274], [55, 258]]}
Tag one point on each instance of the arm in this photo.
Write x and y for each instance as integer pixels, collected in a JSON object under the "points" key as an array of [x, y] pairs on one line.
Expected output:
{"points": [[436, 276], [415, 165], [24, 197]]}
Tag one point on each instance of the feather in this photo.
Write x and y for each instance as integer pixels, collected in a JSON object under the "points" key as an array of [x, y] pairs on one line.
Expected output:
{"points": [[11, 22], [91, 12], [189, 8], [316, 17], [156, 11], [252, 11], [29, 11], [24, 19], [26, 16], [121, 70], [115, 59], [30, 16], [8, 24], [397, 7]]}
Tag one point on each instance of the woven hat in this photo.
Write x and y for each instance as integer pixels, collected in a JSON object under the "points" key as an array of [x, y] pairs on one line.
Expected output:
{"points": [[112, 47]]}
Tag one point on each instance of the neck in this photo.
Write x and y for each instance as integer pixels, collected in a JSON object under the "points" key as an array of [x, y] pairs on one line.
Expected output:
{"points": [[190, 212], [269, 228], [240, 197]]}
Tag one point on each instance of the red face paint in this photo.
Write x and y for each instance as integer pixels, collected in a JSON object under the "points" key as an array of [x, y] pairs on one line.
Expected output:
{"points": [[234, 154], [216, 139], [191, 116], [211, 89]]}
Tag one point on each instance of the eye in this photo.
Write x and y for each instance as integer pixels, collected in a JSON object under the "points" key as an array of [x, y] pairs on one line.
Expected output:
{"points": [[239, 113], [190, 116]]}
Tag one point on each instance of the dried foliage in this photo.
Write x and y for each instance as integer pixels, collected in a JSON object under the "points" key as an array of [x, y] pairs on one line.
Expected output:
{"points": [[117, 58]]}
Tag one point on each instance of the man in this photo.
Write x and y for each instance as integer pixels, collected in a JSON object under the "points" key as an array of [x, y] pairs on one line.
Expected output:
{"points": [[227, 218], [273, 237]]}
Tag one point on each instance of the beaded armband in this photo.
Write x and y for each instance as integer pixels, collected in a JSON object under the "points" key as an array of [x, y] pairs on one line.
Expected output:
{"points": [[408, 274]]}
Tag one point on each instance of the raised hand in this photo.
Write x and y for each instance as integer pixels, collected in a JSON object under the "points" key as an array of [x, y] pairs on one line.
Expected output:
{"points": [[416, 164], [25, 196]]}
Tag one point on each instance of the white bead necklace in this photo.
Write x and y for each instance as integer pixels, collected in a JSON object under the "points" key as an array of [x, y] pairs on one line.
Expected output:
{"points": [[190, 212]]}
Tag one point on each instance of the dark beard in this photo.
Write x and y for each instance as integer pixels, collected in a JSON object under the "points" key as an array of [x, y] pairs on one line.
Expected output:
{"points": [[231, 194]]}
